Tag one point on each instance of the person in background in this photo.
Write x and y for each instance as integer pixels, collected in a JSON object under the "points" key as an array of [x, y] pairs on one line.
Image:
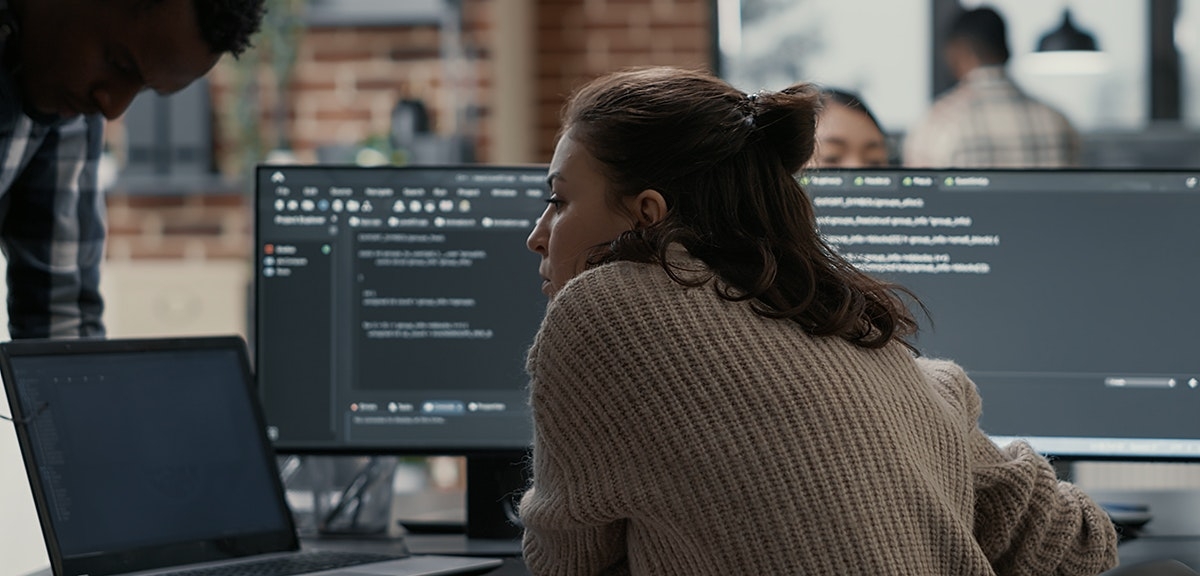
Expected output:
{"points": [[65, 66], [848, 135], [987, 120], [716, 391]]}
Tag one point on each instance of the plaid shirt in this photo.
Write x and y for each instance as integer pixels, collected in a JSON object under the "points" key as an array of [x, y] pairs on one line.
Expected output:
{"points": [[988, 122], [51, 217]]}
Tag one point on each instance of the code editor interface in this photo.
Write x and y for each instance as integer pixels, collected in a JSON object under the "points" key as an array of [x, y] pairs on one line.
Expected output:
{"points": [[395, 305], [1068, 296]]}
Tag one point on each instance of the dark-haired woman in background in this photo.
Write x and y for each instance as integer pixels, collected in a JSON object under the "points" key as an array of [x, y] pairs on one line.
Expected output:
{"points": [[848, 135], [716, 391]]}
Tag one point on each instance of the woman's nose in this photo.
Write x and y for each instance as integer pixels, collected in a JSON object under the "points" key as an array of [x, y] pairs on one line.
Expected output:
{"points": [[536, 241]]}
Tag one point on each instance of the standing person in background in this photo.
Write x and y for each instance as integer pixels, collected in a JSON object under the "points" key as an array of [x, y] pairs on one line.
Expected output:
{"points": [[848, 135], [987, 121], [716, 391], [65, 67]]}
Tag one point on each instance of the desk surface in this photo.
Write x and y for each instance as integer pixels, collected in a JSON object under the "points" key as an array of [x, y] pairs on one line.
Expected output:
{"points": [[1171, 535], [1186, 549]]}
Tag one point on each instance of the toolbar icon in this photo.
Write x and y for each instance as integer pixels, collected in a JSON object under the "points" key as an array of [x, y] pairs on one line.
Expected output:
{"points": [[277, 177]]}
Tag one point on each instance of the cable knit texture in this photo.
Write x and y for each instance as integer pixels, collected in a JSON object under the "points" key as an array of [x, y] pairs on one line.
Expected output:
{"points": [[678, 433]]}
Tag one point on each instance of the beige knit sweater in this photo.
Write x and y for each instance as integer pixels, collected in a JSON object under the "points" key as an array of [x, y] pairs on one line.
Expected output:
{"points": [[678, 433]]}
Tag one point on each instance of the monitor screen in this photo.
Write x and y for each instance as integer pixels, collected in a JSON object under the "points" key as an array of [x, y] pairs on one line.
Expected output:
{"points": [[1070, 297], [395, 306]]}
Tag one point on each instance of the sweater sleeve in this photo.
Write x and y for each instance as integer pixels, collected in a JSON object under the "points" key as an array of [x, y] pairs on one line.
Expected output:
{"points": [[1026, 520], [578, 460]]}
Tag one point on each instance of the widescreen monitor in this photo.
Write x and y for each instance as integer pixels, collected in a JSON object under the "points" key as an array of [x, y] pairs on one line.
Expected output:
{"points": [[394, 307], [1069, 296]]}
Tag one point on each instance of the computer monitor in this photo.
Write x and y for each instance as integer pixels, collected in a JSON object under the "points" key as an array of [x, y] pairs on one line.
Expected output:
{"points": [[1071, 297], [394, 308]]}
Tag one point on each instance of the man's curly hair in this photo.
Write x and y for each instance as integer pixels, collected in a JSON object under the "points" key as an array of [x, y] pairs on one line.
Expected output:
{"points": [[227, 25]]}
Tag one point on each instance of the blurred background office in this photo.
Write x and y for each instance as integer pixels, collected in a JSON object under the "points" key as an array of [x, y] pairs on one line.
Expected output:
{"points": [[462, 81], [1126, 74]]}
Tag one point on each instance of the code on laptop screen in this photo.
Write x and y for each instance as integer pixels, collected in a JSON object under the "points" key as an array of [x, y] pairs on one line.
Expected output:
{"points": [[145, 449]]}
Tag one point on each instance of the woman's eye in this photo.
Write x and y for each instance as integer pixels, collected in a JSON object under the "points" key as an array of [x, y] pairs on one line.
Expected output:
{"points": [[555, 201]]}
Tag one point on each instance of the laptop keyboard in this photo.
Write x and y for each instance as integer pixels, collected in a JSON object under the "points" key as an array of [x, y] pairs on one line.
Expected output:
{"points": [[299, 563]]}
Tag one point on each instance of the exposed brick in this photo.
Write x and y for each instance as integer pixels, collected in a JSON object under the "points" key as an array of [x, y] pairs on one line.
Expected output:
{"points": [[124, 229], [141, 202], [405, 53], [227, 251], [353, 54], [192, 229], [340, 91], [343, 114], [309, 84], [230, 201]]}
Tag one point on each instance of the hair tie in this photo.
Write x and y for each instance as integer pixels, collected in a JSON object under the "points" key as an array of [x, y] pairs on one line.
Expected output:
{"points": [[752, 98]]}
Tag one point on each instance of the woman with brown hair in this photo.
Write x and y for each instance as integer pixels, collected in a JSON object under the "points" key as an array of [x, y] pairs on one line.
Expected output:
{"points": [[716, 391]]}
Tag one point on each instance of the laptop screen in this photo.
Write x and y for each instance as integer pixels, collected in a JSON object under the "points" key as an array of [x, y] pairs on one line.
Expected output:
{"points": [[136, 448]]}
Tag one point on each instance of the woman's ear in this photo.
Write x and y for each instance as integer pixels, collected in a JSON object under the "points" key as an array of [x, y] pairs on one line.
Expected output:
{"points": [[648, 207]]}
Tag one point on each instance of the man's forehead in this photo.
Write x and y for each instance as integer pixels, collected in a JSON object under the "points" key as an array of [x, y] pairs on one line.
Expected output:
{"points": [[169, 75], [171, 51]]}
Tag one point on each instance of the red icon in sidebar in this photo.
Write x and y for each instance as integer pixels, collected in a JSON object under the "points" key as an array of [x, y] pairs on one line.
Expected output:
{"points": [[268, 249]]}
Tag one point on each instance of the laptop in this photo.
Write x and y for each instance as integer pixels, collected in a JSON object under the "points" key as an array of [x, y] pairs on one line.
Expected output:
{"points": [[150, 457]]}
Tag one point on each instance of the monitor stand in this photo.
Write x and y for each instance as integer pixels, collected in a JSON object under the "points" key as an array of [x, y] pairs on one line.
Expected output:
{"points": [[495, 483]]}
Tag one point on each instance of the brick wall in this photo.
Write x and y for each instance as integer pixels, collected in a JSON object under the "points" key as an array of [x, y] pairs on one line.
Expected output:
{"points": [[346, 81], [194, 227], [580, 39]]}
